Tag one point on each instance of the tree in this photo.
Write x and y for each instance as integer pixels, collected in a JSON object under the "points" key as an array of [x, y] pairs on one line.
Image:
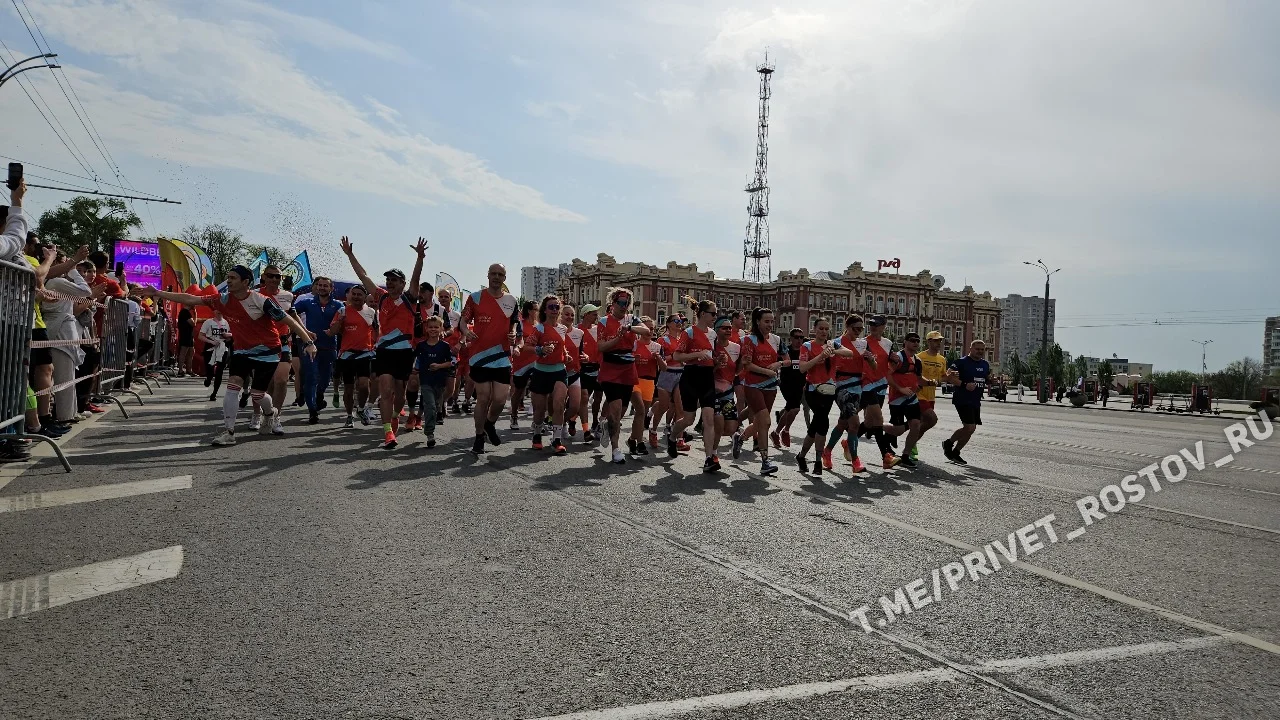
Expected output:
{"points": [[952, 355], [1106, 374], [223, 245], [88, 221], [1174, 382], [275, 256], [1080, 367], [1058, 365], [1015, 368], [1237, 380]]}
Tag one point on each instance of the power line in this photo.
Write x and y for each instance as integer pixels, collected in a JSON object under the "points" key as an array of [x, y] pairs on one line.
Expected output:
{"points": [[79, 177], [81, 162]]}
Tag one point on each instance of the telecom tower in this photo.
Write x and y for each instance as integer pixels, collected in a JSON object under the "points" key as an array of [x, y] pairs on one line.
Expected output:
{"points": [[756, 263]]}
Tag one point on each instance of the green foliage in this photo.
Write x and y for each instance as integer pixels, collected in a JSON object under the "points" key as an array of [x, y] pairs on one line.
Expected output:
{"points": [[275, 256], [1174, 382], [1106, 374], [95, 222], [1240, 380]]}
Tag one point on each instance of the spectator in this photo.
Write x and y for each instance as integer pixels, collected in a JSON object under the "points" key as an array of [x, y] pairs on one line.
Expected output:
{"points": [[131, 338], [186, 342], [61, 325], [12, 243], [40, 372], [84, 310]]}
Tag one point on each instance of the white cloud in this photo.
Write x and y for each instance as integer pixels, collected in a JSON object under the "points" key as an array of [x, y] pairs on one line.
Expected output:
{"points": [[317, 32], [553, 110], [221, 93]]}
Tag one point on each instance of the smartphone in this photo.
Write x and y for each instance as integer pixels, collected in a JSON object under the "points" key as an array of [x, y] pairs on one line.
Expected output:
{"points": [[15, 175], [119, 269]]}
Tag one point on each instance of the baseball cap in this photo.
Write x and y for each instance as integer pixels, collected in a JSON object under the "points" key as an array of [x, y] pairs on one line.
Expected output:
{"points": [[244, 272], [877, 320], [589, 308], [395, 273], [933, 335]]}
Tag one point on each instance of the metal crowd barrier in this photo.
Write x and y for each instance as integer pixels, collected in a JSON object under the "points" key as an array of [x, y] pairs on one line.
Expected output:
{"points": [[17, 312], [115, 354]]}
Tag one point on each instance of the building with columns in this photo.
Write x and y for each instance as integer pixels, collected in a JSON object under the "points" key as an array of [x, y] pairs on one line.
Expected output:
{"points": [[909, 302]]}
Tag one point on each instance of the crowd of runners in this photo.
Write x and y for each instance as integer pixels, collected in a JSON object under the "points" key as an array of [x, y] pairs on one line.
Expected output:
{"points": [[400, 353]]}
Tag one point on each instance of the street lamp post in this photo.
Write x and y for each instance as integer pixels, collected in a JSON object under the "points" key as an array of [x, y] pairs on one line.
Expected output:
{"points": [[13, 71], [1044, 331]]}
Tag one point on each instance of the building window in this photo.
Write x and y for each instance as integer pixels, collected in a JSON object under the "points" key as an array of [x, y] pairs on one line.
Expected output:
{"points": [[946, 333], [902, 329], [662, 318], [879, 303], [911, 306], [902, 306], [662, 294]]}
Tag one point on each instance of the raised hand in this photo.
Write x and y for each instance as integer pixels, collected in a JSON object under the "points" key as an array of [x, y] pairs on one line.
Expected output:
{"points": [[420, 247], [346, 245], [82, 254]]}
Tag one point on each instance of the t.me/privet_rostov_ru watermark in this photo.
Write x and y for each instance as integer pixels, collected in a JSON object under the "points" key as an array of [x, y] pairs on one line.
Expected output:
{"points": [[1040, 533]]}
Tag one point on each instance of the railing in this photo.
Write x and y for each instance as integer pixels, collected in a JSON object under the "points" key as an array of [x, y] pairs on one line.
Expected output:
{"points": [[17, 313]]}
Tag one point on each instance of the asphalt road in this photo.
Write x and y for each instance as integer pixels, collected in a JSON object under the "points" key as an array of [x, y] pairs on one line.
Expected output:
{"points": [[317, 576]]}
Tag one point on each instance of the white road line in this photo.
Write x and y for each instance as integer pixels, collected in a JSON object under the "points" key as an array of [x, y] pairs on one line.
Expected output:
{"points": [[41, 592], [82, 452], [129, 425], [808, 691], [1121, 598], [1056, 443], [1222, 461], [37, 500], [1075, 533]]}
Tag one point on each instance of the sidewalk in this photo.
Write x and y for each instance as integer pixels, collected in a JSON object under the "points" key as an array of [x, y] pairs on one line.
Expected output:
{"points": [[1236, 408]]}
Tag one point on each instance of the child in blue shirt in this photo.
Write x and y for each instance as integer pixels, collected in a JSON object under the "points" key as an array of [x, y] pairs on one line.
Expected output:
{"points": [[434, 361]]}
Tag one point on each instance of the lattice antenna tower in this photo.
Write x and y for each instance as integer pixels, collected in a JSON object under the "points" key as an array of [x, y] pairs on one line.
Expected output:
{"points": [[757, 265]]}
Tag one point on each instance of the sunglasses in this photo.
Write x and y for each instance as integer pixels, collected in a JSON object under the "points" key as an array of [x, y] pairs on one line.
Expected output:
{"points": [[621, 302], [553, 307], [271, 276]]}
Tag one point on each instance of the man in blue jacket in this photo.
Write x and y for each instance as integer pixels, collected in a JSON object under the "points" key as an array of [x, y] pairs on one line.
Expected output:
{"points": [[317, 312]]}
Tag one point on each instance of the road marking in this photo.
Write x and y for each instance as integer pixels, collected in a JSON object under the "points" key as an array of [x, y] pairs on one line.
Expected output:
{"points": [[41, 592], [126, 424], [1223, 461], [1057, 443], [83, 452], [1121, 598], [1075, 533], [808, 691], [37, 500]]}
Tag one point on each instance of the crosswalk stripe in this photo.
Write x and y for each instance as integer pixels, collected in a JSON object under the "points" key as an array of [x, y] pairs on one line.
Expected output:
{"points": [[42, 592], [37, 500]]}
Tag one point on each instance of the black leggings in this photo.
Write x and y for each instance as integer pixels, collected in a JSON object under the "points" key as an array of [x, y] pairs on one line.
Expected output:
{"points": [[820, 411], [213, 372]]}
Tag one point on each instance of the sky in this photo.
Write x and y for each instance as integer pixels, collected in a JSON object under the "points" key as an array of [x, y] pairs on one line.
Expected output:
{"points": [[1134, 145]]}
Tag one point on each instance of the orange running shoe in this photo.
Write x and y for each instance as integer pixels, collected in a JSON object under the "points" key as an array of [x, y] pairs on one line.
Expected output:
{"points": [[826, 459], [890, 460], [844, 444], [858, 467], [389, 441]]}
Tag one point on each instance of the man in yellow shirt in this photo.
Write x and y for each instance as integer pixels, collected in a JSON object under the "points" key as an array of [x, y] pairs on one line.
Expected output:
{"points": [[933, 370]]}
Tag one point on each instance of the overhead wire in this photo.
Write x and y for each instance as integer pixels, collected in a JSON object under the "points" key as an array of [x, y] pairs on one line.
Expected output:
{"points": [[81, 161], [79, 177]]}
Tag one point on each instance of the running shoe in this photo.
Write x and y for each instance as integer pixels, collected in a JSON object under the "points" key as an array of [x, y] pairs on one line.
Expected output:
{"points": [[213, 396], [537, 442], [711, 464], [571, 430], [682, 446], [890, 460], [313, 418], [477, 448], [955, 458], [96, 409], [226, 437], [858, 467], [619, 458], [364, 416], [653, 439], [558, 448], [588, 437], [737, 445], [915, 453], [403, 412], [672, 450], [817, 466], [606, 434], [803, 465], [412, 422], [389, 441], [491, 431], [256, 422], [640, 448], [826, 459], [350, 423], [906, 461], [786, 438], [844, 445], [277, 428], [515, 424], [947, 446], [12, 452], [431, 440], [776, 438], [768, 467]]}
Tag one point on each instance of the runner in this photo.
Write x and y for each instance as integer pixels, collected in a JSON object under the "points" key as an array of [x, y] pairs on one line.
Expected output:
{"points": [[573, 358], [848, 367], [791, 382], [490, 316], [969, 374], [317, 312], [904, 407], [453, 336], [356, 324], [667, 404], [522, 359], [728, 363], [763, 356], [648, 364], [618, 335], [696, 350], [270, 286], [548, 376], [876, 348], [817, 362], [397, 323], [434, 361], [933, 370], [216, 334], [590, 347], [738, 321], [252, 317]]}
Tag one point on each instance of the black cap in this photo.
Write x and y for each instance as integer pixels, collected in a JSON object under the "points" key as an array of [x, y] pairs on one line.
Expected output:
{"points": [[394, 273], [912, 336], [244, 272], [877, 320]]}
